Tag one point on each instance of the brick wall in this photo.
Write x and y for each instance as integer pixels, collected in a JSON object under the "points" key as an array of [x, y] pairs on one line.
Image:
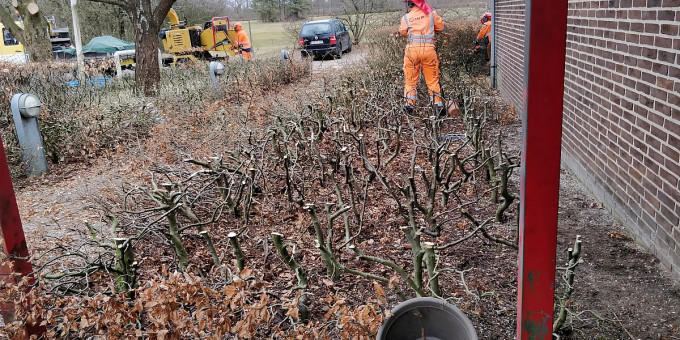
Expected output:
{"points": [[621, 129], [509, 24]]}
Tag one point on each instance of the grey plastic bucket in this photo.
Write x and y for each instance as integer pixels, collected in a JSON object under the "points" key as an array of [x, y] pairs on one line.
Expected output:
{"points": [[426, 318]]}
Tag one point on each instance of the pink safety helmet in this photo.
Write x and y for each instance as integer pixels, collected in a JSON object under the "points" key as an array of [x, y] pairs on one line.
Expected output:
{"points": [[486, 17]]}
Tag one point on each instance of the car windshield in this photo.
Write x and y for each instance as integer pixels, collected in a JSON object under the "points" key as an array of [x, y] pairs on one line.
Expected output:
{"points": [[312, 29]]}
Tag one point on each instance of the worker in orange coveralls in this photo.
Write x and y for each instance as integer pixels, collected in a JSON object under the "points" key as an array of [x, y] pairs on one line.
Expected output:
{"points": [[484, 35], [419, 24], [244, 45]]}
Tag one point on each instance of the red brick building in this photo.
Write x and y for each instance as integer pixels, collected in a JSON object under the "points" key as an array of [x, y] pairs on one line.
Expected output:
{"points": [[621, 125]]}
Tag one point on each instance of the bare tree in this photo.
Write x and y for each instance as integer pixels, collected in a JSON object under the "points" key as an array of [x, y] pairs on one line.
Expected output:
{"points": [[358, 13], [238, 6], [34, 34], [146, 22]]}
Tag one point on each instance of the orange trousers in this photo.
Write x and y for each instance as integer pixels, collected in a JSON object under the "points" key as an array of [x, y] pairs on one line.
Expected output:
{"points": [[416, 57], [247, 55]]}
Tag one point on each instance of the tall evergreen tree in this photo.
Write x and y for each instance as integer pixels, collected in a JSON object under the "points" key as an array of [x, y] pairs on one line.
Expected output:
{"points": [[298, 9], [268, 9]]}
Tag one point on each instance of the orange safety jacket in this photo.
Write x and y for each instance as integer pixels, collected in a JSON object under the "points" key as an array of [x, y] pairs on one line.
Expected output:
{"points": [[484, 31], [243, 41], [420, 27]]}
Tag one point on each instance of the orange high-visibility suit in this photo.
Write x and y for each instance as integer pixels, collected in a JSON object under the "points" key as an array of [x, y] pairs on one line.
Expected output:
{"points": [[243, 42], [485, 32], [420, 28]]}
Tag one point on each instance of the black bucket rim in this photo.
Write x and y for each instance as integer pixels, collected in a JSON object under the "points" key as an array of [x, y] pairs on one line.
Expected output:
{"points": [[421, 302]]}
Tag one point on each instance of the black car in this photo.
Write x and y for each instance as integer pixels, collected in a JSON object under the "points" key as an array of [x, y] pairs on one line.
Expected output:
{"points": [[320, 38]]}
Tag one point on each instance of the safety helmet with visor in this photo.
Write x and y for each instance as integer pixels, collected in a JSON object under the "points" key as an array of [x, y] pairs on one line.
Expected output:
{"points": [[486, 17]]}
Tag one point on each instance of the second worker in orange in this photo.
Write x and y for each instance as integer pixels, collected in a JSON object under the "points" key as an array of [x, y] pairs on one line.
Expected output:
{"points": [[243, 42]]}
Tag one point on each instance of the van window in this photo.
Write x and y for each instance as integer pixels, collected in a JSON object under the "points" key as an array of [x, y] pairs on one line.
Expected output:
{"points": [[8, 39], [314, 29]]}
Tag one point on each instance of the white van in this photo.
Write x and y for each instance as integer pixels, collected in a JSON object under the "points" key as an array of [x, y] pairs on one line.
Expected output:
{"points": [[11, 50]]}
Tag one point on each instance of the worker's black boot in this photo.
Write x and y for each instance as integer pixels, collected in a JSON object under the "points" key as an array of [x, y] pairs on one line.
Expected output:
{"points": [[441, 110], [408, 108]]}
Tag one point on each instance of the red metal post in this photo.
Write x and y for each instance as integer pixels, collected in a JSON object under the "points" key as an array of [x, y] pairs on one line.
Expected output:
{"points": [[13, 240], [545, 39]]}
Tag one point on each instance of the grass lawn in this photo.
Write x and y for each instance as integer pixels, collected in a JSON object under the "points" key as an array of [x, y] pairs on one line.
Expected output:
{"points": [[269, 38]]}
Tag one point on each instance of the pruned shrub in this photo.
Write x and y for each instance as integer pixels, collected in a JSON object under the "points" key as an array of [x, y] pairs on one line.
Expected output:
{"points": [[82, 122], [357, 197]]}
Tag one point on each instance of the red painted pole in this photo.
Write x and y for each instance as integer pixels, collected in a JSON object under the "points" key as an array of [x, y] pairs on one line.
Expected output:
{"points": [[13, 240], [545, 39]]}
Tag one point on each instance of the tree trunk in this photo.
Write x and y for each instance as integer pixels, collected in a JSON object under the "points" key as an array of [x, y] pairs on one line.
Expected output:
{"points": [[36, 37], [146, 21], [35, 33], [147, 72]]}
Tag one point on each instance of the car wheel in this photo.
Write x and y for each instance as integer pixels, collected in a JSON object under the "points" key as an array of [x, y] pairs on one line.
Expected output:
{"points": [[304, 54], [338, 52], [349, 48]]}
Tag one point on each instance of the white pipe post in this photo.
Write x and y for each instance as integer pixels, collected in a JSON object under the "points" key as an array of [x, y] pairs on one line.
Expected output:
{"points": [[216, 70], [25, 111], [116, 58], [76, 38]]}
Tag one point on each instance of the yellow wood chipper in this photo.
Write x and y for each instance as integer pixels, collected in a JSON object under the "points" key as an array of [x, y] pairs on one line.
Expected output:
{"points": [[213, 41]]}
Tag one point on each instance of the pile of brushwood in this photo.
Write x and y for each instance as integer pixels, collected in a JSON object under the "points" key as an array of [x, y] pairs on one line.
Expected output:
{"points": [[288, 205]]}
